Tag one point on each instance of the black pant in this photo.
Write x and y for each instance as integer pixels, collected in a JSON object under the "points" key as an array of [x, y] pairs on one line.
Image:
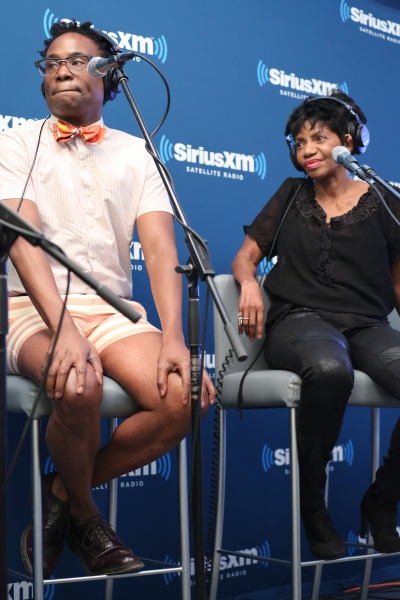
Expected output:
{"points": [[324, 358]]}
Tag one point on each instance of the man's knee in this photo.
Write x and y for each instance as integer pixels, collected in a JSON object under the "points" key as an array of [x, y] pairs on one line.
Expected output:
{"points": [[73, 406]]}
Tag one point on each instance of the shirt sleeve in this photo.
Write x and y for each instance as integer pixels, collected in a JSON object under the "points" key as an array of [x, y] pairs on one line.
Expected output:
{"points": [[266, 223], [15, 164], [154, 195]]}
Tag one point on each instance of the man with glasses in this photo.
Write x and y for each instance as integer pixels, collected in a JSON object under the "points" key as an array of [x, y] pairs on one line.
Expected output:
{"points": [[88, 188]]}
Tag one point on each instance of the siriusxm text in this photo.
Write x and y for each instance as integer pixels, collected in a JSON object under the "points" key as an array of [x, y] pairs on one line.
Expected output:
{"points": [[359, 16], [225, 160], [311, 86]]}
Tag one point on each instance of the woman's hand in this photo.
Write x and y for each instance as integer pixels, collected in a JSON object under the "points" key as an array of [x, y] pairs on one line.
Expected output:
{"points": [[251, 310]]}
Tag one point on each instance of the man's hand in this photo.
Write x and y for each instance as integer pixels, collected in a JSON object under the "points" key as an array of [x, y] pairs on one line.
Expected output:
{"points": [[72, 351], [175, 357]]}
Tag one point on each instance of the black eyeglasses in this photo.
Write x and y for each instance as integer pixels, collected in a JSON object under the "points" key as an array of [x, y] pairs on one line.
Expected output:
{"points": [[75, 64]]}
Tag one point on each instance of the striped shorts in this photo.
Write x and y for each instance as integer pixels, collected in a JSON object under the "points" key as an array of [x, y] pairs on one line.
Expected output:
{"points": [[95, 319]]}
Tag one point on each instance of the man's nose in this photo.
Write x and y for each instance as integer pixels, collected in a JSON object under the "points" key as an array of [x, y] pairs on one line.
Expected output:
{"points": [[63, 72]]}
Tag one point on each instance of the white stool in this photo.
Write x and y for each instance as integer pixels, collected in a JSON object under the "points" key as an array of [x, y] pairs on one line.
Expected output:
{"points": [[116, 404], [267, 388]]}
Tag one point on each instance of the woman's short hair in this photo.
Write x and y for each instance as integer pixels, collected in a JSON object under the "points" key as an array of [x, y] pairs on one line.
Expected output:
{"points": [[333, 114]]}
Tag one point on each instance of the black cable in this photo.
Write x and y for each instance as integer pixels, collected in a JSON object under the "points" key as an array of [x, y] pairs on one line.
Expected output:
{"points": [[384, 202], [21, 231], [195, 433], [213, 505], [159, 162], [38, 394], [167, 89], [33, 164], [184, 226], [217, 416]]}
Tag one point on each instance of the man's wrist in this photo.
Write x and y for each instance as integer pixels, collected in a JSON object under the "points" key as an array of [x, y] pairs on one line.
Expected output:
{"points": [[173, 337]]}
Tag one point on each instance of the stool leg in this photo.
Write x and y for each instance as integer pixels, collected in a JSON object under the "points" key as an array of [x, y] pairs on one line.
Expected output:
{"points": [[184, 520], [295, 489], [375, 442], [37, 512], [318, 568], [219, 520], [112, 507]]}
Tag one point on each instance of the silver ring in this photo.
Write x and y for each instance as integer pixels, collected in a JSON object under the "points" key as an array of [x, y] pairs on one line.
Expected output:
{"points": [[245, 318], [240, 319]]}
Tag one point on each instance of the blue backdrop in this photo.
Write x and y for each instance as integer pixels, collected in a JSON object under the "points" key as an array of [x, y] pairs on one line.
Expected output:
{"points": [[236, 70]]}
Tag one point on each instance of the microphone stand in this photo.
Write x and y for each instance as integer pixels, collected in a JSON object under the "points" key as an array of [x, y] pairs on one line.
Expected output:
{"points": [[199, 265], [12, 225], [372, 175]]}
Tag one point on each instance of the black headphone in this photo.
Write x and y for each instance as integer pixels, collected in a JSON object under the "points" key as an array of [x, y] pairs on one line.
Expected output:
{"points": [[111, 87], [358, 131]]}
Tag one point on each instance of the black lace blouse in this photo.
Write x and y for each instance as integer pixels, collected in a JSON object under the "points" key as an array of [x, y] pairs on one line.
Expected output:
{"points": [[341, 270]]}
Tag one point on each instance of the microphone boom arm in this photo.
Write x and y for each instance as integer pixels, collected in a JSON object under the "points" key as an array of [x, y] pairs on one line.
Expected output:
{"points": [[372, 175]]}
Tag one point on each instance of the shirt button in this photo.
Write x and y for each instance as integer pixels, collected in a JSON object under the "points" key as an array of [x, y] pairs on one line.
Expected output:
{"points": [[90, 224], [92, 255], [88, 193]]}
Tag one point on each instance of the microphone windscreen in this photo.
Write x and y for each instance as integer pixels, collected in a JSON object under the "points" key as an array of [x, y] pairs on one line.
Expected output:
{"points": [[338, 152]]}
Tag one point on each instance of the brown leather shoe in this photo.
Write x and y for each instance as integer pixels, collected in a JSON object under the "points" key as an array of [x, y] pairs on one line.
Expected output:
{"points": [[100, 549], [55, 515]]}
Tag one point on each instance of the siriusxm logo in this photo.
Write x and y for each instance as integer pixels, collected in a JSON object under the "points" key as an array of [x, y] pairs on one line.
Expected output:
{"points": [[161, 466], [265, 267], [359, 16], [353, 538], [48, 21], [128, 41], [209, 361], [49, 466], [227, 563], [292, 81], [224, 160], [7, 122], [23, 590], [281, 456], [137, 257]]}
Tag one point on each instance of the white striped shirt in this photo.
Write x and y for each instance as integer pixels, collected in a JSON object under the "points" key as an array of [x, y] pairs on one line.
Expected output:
{"points": [[88, 197]]}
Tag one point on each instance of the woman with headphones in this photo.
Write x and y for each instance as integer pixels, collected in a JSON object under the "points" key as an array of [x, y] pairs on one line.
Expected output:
{"points": [[336, 279]]}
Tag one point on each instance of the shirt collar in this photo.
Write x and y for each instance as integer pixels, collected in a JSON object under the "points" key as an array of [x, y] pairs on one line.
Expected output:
{"points": [[53, 119]]}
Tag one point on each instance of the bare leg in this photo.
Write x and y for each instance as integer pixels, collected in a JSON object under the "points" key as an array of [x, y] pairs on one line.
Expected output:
{"points": [[73, 432], [162, 423]]}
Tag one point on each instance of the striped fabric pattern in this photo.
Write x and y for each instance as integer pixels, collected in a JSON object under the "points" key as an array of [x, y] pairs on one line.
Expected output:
{"points": [[94, 317], [89, 198]]}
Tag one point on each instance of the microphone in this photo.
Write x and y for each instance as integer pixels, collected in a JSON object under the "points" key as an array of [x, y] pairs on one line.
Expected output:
{"points": [[342, 156], [98, 66]]}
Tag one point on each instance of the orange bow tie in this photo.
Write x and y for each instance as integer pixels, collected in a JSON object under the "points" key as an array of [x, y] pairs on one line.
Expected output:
{"points": [[64, 132]]}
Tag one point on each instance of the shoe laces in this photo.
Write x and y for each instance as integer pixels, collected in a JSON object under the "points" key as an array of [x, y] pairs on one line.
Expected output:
{"points": [[98, 531]]}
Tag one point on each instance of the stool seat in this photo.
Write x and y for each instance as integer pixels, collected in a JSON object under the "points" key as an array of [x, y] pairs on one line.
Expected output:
{"points": [[116, 403], [21, 393], [268, 388], [276, 388]]}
